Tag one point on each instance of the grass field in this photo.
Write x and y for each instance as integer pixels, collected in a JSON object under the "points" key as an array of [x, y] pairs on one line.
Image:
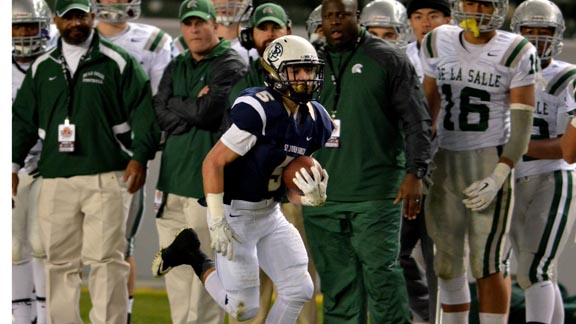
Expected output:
{"points": [[151, 307]]}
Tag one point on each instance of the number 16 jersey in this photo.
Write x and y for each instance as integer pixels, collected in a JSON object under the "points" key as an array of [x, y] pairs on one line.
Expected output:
{"points": [[474, 82]]}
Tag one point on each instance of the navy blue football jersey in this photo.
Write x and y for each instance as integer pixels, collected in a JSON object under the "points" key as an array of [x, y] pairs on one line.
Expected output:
{"points": [[280, 138]]}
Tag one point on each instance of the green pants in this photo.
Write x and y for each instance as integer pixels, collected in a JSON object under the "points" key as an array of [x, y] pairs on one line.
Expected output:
{"points": [[355, 248]]}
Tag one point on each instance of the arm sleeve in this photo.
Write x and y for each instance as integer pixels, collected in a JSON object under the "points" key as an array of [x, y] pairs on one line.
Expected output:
{"points": [[410, 104], [168, 121], [24, 120], [138, 99], [206, 112]]}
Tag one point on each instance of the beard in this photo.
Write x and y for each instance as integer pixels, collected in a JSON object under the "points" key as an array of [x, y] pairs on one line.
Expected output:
{"points": [[76, 35]]}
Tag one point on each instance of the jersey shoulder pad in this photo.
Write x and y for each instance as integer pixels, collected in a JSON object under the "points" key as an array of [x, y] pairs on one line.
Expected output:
{"points": [[251, 110], [565, 76], [439, 37], [178, 45], [156, 37], [517, 47]]}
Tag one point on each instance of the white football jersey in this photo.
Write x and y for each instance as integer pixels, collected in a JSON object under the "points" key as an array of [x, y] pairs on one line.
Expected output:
{"points": [[18, 74], [179, 46], [553, 103], [149, 45], [414, 55], [474, 82]]}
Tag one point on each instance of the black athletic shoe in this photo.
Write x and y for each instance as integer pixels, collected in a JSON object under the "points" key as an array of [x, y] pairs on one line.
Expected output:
{"points": [[185, 249]]}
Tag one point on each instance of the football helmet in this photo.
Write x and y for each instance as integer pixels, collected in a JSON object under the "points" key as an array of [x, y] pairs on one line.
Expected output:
{"points": [[31, 11], [232, 11], [314, 21], [390, 14], [540, 13], [485, 22], [116, 13], [296, 52]]}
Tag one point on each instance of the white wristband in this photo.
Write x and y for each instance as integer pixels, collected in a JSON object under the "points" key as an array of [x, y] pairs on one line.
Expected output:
{"points": [[501, 171], [215, 204], [573, 122], [15, 167]]}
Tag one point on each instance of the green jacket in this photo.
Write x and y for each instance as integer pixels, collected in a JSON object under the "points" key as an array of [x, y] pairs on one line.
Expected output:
{"points": [[193, 123], [385, 123], [254, 78], [111, 107]]}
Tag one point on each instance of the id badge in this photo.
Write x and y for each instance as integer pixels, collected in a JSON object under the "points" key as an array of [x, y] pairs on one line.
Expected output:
{"points": [[334, 140], [66, 136]]}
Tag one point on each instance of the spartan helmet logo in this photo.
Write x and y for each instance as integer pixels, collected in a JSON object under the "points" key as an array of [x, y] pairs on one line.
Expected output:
{"points": [[276, 52], [192, 4], [268, 11]]}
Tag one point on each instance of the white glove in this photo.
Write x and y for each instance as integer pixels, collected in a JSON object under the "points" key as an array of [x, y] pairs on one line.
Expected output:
{"points": [[221, 234], [481, 193], [314, 188]]}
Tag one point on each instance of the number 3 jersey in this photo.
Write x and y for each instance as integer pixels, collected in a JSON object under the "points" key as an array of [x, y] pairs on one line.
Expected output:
{"points": [[554, 103], [268, 137], [474, 82]]}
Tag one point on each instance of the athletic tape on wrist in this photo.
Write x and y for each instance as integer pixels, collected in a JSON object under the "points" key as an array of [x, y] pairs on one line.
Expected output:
{"points": [[521, 106], [573, 122], [501, 171], [215, 204]]}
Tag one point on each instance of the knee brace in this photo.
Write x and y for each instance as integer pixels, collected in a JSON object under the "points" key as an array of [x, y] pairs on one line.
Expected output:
{"points": [[244, 304], [454, 291], [523, 279], [301, 292], [20, 252], [448, 266]]}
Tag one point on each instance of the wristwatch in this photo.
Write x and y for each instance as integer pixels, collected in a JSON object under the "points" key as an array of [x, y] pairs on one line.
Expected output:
{"points": [[419, 172]]}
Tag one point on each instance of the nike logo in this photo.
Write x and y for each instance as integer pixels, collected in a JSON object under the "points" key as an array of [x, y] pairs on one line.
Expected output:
{"points": [[492, 54], [133, 40], [484, 187], [235, 215], [308, 138], [52, 78]]}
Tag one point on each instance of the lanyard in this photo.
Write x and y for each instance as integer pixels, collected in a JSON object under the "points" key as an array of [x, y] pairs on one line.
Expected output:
{"points": [[336, 79], [71, 81]]}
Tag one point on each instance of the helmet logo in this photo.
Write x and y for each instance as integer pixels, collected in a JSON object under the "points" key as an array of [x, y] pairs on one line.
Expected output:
{"points": [[357, 68], [268, 11], [275, 53], [192, 4]]}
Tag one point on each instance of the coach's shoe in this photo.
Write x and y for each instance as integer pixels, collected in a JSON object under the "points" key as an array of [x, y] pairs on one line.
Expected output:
{"points": [[185, 249]]}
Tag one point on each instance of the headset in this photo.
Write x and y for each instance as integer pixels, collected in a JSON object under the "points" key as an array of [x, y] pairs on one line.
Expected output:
{"points": [[247, 35]]}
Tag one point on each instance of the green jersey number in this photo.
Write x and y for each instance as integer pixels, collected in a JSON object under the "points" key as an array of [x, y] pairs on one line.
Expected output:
{"points": [[466, 108]]}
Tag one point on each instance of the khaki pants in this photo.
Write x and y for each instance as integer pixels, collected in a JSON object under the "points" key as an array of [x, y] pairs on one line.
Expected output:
{"points": [[81, 223], [308, 315], [190, 303]]}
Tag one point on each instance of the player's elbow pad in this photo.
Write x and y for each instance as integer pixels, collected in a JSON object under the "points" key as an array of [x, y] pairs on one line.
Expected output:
{"points": [[521, 120]]}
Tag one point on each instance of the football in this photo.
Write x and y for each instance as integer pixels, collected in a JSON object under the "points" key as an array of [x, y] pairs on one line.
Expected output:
{"points": [[295, 165]]}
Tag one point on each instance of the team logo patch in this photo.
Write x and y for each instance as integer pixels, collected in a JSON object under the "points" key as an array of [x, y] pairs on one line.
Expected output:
{"points": [[268, 11], [357, 68], [275, 53], [192, 4]]}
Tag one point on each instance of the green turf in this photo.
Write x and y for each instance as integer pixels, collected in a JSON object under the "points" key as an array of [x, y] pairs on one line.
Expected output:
{"points": [[151, 307]]}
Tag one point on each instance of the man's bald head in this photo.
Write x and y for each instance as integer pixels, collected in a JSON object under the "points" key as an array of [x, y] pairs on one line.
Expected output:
{"points": [[340, 22]]}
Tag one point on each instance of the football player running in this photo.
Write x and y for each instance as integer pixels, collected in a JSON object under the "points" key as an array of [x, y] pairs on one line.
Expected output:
{"points": [[480, 87], [30, 38], [242, 180], [545, 188]]}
